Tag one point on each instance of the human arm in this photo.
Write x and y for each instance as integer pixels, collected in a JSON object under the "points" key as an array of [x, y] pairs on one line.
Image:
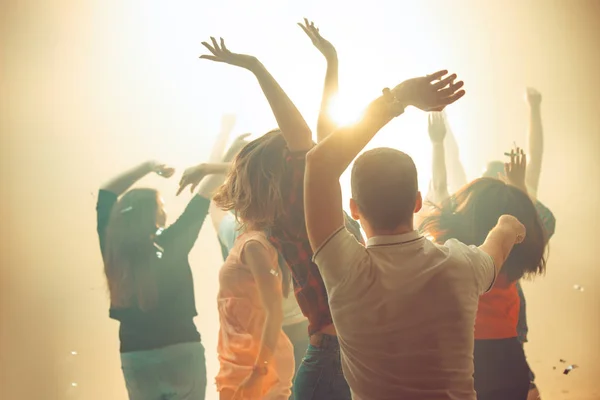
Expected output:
{"points": [[326, 162], [291, 123], [262, 263], [325, 124], [122, 182], [502, 238], [182, 234], [439, 182], [227, 124], [536, 141], [457, 177]]}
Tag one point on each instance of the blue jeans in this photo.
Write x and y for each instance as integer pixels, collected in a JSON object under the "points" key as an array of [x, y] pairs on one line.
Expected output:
{"points": [[176, 372], [320, 375]]}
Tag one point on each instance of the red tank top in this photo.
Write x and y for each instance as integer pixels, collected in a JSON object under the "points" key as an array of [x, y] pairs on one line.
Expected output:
{"points": [[498, 311]]}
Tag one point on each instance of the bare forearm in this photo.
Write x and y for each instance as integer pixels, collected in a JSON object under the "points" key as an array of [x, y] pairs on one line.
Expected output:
{"points": [[456, 171], [439, 176], [217, 173], [325, 124], [270, 336], [332, 156], [121, 183], [536, 148], [293, 126], [499, 243]]}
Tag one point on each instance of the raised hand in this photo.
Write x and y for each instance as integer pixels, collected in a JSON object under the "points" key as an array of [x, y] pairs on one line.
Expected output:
{"points": [[429, 93], [238, 144], [437, 127], [324, 46], [516, 170], [193, 176], [163, 170], [515, 225], [220, 53], [534, 98]]}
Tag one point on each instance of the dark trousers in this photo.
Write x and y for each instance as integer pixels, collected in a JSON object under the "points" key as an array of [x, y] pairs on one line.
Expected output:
{"points": [[298, 335], [501, 370], [320, 375]]}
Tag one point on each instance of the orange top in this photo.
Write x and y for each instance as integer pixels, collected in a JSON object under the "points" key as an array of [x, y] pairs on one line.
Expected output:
{"points": [[242, 318], [498, 311]]}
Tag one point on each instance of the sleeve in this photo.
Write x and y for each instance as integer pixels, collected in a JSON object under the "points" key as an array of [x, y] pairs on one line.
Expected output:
{"points": [[340, 259], [106, 201], [547, 217], [180, 237], [228, 231], [293, 195], [480, 263]]}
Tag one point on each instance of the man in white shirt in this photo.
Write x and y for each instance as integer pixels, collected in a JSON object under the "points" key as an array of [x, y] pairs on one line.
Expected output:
{"points": [[404, 307]]}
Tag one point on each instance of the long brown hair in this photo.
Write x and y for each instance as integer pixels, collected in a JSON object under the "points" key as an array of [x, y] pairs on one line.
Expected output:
{"points": [[471, 213], [130, 259], [255, 187]]}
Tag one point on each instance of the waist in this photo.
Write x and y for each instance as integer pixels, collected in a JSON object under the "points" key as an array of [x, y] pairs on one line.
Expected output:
{"points": [[324, 340], [138, 337]]}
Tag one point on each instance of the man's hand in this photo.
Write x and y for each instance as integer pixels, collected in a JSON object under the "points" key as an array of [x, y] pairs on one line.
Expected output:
{"points": [[516, 170], [437, 127], [431, 92], [220, 53], [534, 98], [324, 46], [163, 170]]}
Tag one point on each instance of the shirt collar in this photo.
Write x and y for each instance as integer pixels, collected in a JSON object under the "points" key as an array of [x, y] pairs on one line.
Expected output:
{"points": [[393, 239]]}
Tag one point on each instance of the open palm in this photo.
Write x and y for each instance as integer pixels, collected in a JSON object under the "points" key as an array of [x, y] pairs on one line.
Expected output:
{"points": [[430, 93], [220, 53], [323, 45]]}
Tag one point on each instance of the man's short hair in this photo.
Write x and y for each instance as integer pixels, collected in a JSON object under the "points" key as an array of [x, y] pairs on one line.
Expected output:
{"points": [[384, 186]]}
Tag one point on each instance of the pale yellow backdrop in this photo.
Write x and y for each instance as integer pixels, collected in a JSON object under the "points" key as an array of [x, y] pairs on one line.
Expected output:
{"points": [[90, 87]]}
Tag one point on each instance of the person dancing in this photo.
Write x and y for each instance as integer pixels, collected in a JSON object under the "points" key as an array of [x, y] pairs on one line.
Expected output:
{"points": [[501, 370], [265, 188], [150, 282], [228, 230]]}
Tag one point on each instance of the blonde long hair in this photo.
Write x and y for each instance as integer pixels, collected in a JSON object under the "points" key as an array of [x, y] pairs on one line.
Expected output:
{"points": [[255, 183], [129, 253], [255, 188]]}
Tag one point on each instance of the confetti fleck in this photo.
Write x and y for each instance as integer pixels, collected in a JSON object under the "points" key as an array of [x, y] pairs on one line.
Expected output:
{"points": [[74, 353], [569, 369], [74, 384], [562, 361], [274, 273], [578, 287]]}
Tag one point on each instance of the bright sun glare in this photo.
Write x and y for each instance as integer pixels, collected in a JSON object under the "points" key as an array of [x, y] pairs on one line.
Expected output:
{"points": [[345, 110]]}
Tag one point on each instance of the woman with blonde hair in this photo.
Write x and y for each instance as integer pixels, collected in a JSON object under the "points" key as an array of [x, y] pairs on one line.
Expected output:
{"points": [[150, 282]]}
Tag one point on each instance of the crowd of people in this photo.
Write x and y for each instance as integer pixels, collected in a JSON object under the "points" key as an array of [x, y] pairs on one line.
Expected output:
{"points": [[426, 305]]}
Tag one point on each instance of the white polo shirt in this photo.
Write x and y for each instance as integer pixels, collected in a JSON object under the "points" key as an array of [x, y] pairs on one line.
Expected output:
{"points": [[404, 311]]}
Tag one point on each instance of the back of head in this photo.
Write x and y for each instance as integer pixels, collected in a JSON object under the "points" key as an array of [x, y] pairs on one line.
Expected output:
{"points": [[471, 213], [494, 169], [385, 188], [129, 253], [253, 189]]}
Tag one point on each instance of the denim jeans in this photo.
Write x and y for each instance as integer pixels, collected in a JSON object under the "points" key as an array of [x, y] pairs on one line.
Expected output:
{"points": [[176, 372], [320, 375], [297, 333]]}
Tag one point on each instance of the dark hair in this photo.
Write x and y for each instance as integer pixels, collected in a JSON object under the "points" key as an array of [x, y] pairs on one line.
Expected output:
{"points": [[129, 254], [384, 187], [471, 213]]}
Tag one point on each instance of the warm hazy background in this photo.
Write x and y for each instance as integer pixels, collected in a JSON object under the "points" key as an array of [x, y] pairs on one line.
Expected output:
{"points": [[90, 87]]}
